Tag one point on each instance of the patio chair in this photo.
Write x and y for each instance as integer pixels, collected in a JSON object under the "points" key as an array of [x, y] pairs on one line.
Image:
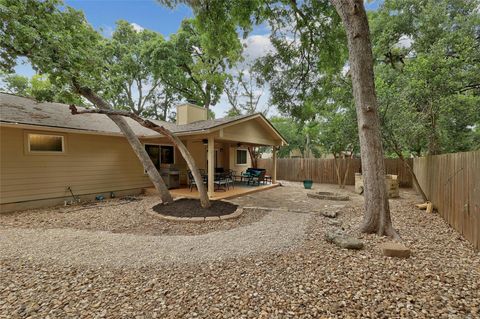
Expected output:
{"points": [[230, 177], [257, 177], [224, 180], [191, 180]]}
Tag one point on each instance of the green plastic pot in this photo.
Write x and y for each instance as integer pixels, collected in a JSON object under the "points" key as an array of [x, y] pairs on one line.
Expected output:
{"points": [[307, 183]]}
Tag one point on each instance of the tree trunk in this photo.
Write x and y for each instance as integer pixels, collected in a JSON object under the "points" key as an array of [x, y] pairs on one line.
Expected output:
{"points": [[337, 170], [253, 157], [410, 169], [415, 180], [137, 147], [433, 145], [349, 160], [377, 211], [204, 200], [390, 139]]}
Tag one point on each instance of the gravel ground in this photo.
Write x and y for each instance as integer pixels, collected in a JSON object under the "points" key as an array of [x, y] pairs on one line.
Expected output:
{"points": [[275, 231], [293, 196], [119, 216], [310, 279]]}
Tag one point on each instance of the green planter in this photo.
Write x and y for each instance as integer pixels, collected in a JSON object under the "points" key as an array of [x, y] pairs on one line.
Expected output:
{"points": [[307, 183]]}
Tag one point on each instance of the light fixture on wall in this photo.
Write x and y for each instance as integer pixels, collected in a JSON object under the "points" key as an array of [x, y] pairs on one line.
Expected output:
{"points": [[205, 141]]}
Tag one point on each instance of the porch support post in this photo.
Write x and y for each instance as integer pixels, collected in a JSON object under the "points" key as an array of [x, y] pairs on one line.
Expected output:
{"points": [[274, 164], [211, 165]]}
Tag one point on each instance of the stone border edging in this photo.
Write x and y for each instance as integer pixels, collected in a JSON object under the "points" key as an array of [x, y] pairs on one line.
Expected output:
{"points": [[235, 214]]}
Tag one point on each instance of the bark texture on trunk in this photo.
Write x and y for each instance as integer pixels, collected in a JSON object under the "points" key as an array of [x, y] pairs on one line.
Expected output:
{"points": [[377, 211], [337, 170], [134, 142], [204, 200], [253, 156], [344, 182]]}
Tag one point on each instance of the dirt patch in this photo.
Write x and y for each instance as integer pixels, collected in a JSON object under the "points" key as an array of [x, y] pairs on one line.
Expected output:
{"points": [[187, 207]]}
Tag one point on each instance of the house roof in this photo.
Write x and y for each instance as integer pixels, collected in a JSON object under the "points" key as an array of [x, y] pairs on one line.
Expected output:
{"points": [[21, 110]]}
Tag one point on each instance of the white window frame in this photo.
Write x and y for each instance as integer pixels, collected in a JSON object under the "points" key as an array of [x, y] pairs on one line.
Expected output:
{"points": [[28, 150], [246, 157]]}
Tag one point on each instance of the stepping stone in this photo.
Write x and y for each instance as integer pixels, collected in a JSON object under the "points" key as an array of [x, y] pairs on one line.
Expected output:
{"points": [[343, 240], [394, 249]]}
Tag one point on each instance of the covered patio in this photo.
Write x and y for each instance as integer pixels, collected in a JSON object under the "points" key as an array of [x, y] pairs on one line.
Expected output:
{"points": [[223, 146], [237, 191]]}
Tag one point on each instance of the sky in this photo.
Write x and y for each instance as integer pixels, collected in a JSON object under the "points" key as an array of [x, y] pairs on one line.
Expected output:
{"points": [[149, 14]]}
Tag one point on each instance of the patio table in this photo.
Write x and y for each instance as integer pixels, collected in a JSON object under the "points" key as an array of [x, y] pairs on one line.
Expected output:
{"points": [[219, 185], [245, 176]]}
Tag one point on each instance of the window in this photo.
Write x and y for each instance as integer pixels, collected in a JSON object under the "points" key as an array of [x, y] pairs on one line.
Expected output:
{"points": [[154, 153], [44, 143], [241, 157], [166, 155], [160, 154]]}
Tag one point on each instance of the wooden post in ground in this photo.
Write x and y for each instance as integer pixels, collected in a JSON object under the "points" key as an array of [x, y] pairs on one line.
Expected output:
{"points": [[274, 164], [211, 165]]}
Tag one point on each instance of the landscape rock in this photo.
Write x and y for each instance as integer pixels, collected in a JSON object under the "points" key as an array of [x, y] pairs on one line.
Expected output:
{"points": [[394, 249], [330, 214], [334, 222], [328, 196], [343, 240]]}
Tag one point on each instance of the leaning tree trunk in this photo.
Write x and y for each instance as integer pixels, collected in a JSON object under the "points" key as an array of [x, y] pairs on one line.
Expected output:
{"points": [[204, 201], [253, 157], [337, 170], [345, 175], [137, 147], [377, 211], [390, 139], [202, 190]]}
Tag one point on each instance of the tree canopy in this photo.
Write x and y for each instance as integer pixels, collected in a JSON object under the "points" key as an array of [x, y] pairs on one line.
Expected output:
{"points": [[184, 64], [428, 74], [137, 70]]}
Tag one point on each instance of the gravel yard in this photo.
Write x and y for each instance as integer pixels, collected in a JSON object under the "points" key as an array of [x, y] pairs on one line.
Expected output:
{"points": [[119, 261], [118, 216]]}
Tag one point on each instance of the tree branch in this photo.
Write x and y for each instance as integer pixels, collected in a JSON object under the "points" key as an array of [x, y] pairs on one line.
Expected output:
{"points": [[162, 130]]}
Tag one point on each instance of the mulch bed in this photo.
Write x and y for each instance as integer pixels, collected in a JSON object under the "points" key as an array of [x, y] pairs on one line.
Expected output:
{"points": [[191, 208]]}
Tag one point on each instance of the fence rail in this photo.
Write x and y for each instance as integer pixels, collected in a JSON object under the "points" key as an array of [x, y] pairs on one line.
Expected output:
{"points": [[323, 170], [452, 183]]}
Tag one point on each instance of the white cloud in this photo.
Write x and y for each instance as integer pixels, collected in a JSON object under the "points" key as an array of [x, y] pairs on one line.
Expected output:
{"points": [[405, 42], [137, 27], [257, 46]]}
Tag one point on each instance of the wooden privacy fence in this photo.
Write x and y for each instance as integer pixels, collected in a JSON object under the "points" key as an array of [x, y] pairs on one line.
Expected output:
{"points": [[452, 183], [323, 170]]}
